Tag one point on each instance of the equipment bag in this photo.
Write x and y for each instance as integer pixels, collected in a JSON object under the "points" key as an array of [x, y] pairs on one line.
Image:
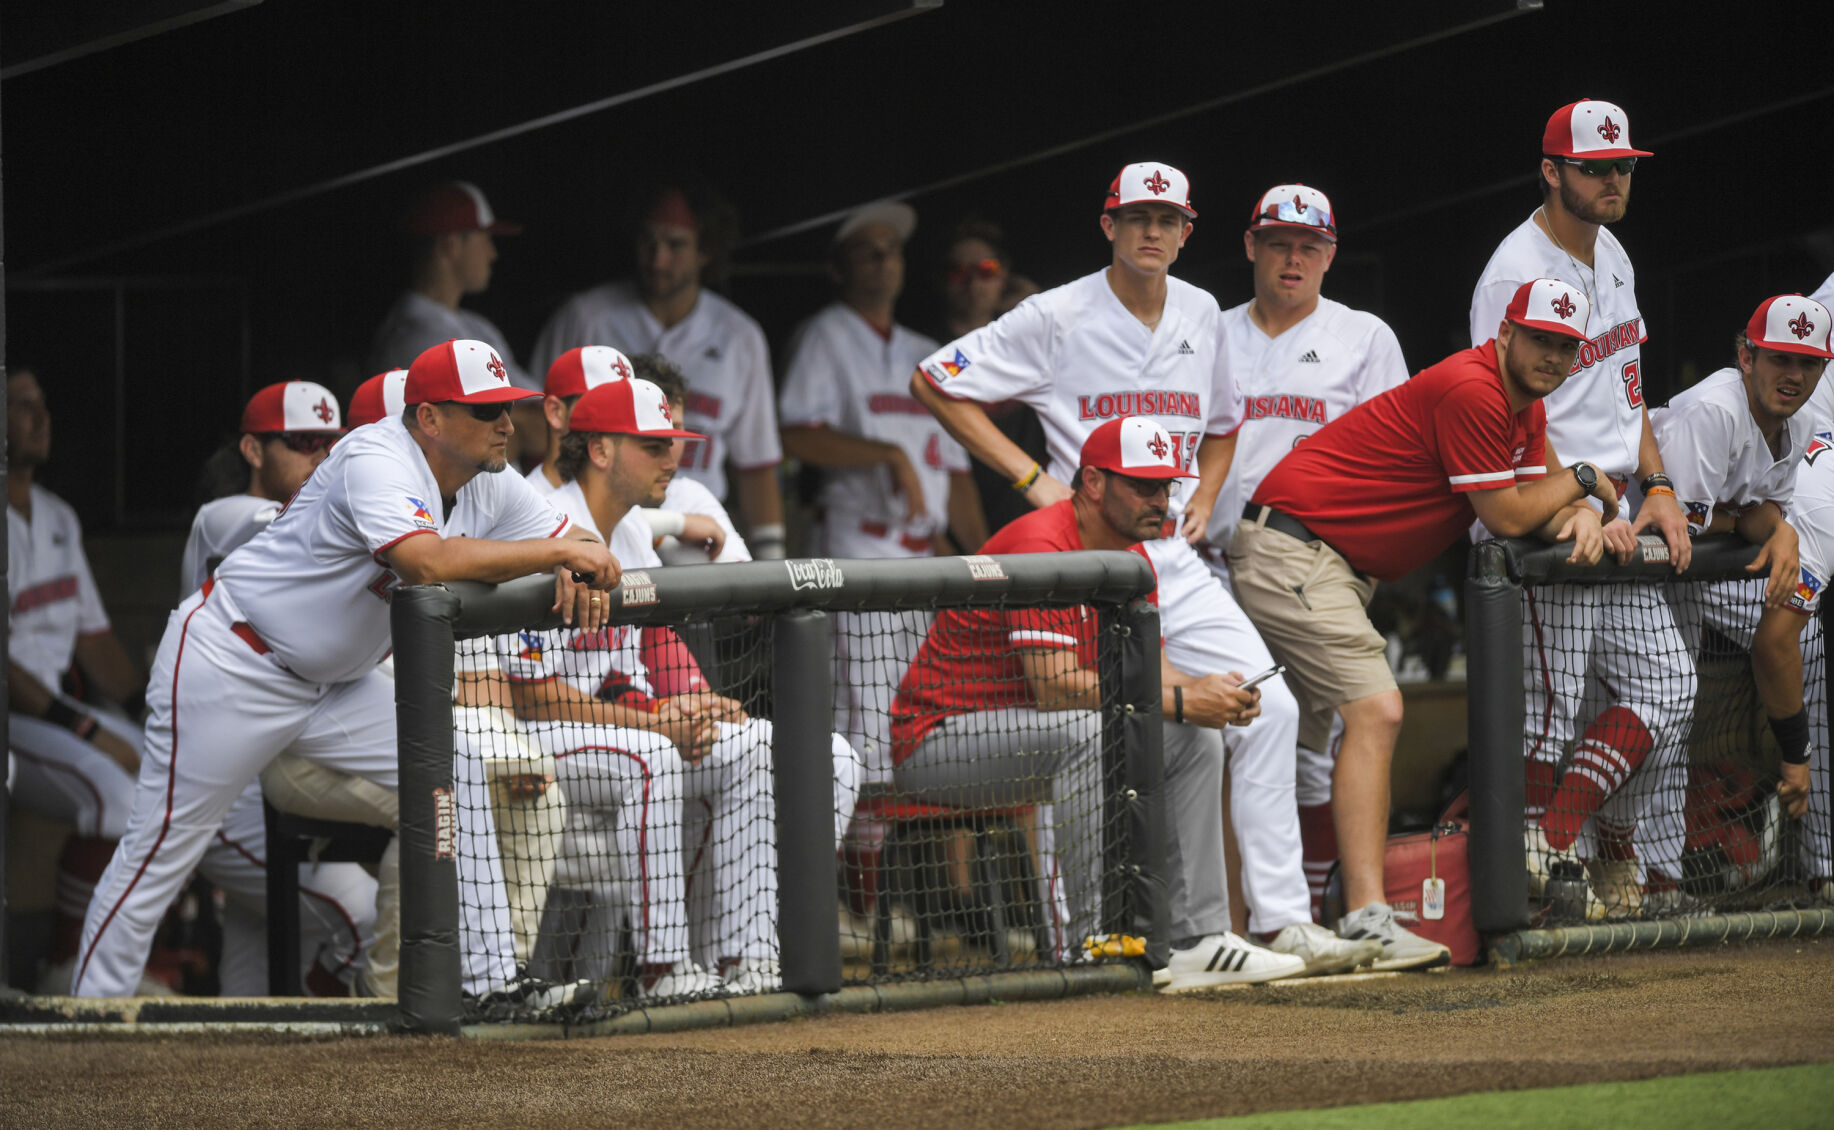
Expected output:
{"points": [[1427, 879]]}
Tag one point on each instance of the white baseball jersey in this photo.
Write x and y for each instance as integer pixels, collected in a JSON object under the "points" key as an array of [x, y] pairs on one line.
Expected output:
{"points": [[1079, 358], [299, 581], [1821, 405], [416, 323], [1292, 385], [842, 374], [1812, 514], [1597, 415], [718, 348], [53, 597], [1715, 454], [689, 496], [607, 661], [220, 526]]}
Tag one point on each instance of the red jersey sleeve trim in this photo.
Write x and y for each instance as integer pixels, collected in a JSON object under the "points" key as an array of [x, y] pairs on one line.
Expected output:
{"points": [[564, 523], [925, 374], [380, 550], [1224, 435]]}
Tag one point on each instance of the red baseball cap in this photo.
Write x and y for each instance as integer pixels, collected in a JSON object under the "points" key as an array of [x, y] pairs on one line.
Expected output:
{"points": [[1134, 446], [1551, 305], [378, 398], [586, 367], [1790, 323], [1295, 206], [1150, 182], [452, 207], [292, 406], [469, 372], [627, 408], [1587, 129]]}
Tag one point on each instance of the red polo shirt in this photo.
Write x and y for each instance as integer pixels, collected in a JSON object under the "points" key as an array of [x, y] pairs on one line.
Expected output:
{"points": [[1386, 483]]}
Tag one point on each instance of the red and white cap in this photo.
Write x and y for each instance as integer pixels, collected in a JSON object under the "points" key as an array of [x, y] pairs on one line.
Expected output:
{"points": [[1295, 206], [469, 372], [1791, 323], [1134, 446], [1587, 129], [627, 408], [894, 214], [1149, 182], [1551, 305], [453, 207], [378, 398], [292, 406], [586, 367]]}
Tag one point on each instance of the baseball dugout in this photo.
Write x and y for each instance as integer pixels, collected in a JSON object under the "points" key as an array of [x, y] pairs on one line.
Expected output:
{"points": [[612, 849], [1614, 715]]}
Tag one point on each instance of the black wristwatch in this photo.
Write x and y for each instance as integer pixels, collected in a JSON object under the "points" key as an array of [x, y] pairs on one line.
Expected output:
{"points": [[1587, 476]]}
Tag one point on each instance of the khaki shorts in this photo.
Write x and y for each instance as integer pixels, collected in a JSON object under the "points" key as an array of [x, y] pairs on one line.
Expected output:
{"points": [[1308, 604]]}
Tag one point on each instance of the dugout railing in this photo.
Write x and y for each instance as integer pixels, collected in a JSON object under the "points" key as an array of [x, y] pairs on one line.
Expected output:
{"points": [[1742, 867], [782, 613]]}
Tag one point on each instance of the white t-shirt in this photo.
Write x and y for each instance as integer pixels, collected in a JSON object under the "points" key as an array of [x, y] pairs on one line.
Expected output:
{"points": [[841, 373], [718, 348], [220, 526], [607, 661], [1811, 512], [1331, 361], [1597, 414], [1715, 454], [416, 323], [314, 585], [52, 597], [1078, 358]]}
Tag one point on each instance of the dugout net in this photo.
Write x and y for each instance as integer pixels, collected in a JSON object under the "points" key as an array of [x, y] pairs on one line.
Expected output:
{"points": [[765, 836], [1616, 706]]}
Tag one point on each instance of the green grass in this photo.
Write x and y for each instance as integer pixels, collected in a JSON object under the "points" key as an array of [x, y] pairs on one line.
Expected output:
{"points": [[1775, 1099]]}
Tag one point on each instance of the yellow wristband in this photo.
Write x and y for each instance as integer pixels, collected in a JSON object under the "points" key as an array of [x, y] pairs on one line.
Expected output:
{"points": [[1025, 484]]}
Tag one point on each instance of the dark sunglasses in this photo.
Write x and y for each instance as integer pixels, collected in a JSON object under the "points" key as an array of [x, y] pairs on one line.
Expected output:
{"points": [[306, 443], [489, 412], [1147, 488], [985, 269], [1598, 167]]}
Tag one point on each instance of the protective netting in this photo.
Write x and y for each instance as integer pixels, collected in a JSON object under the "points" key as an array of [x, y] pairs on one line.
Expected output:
{"points": [[631, 838], [1647, 754]]}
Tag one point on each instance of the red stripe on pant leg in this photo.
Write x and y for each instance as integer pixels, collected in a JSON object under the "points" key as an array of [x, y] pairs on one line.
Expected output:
{"points": [[166, 824], [356, 936]]}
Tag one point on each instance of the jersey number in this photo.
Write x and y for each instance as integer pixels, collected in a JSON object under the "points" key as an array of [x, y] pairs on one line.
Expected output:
{"points": [[1633, 384], [932, 453], [1184, 447], [697, 454]]}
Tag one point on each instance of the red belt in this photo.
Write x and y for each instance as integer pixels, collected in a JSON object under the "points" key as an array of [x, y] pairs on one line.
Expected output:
{"points": [[909, 541], [244, 629]]}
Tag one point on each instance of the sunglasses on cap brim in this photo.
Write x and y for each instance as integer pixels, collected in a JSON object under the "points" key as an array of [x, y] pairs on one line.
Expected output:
{"points": [[1599, 166], [306, 443], [1300, 215]]}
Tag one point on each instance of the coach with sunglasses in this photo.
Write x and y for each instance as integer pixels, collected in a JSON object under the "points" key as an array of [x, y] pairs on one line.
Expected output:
{"points": [[1598, 417]]}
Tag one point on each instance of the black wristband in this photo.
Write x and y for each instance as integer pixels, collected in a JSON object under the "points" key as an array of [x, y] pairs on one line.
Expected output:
{"points": [[1792, 734], [60, 713], [1658, 479], [1178, 704]]}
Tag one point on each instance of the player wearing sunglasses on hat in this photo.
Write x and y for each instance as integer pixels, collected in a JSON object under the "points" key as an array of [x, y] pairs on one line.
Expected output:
{"points": [[1625, 637], [1301, 361]]}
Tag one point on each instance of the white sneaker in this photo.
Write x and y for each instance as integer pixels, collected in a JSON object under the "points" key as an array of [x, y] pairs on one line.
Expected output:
{"points": [[1541, 859], [1322, 951], [754, 975], [1401, 948], [684, 978], [1227, 959]]}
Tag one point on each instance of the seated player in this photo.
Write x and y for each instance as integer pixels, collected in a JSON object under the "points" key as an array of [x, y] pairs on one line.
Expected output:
{"points": [[1002, 708], [1735, 446], [70, 761], [588, 700]]}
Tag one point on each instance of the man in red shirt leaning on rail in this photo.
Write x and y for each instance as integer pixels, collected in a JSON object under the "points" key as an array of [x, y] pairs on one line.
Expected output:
{"points": [[1376, 494], [1002, 707]]}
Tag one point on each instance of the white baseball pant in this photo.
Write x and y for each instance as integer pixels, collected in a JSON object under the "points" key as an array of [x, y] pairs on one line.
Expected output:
{"points": [[61, 775], [1206, 633], [221, 712], [1622, 637]]}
